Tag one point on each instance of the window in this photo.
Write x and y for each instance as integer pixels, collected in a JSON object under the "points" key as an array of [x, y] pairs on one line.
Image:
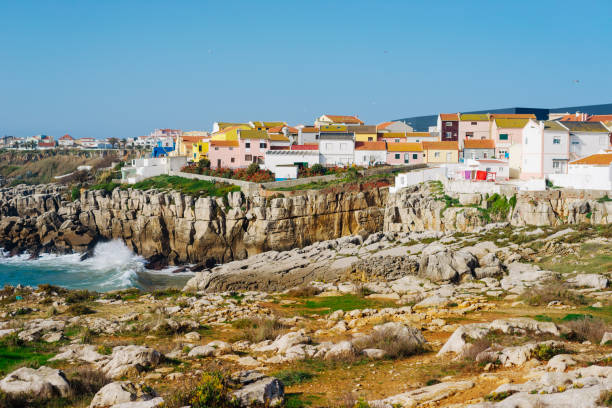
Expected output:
{"points": [[575, 142], [248, 157], [231, 148], [417, 140], [415, 156], [469, 135], [406, 157], [247, 145], [370, 139], [200, 147], [449, 124], [526, 140], [216, 148], [437, 154], [262, 145], [232, 160], [556, 164], [449, 135], [397, 156], [488, 169], [556, 140], [449, 156], [503, 136], [397, 140], [484, 155], [474, 123]]}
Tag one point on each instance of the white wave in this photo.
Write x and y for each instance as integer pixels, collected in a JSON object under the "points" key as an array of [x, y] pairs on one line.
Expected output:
{"points": [[112, 266]]}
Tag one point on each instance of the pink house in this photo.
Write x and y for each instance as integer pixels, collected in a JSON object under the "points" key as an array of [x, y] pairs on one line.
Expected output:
{"points": [[505, 133], [250, 147], [405, 153], [223, 153]]}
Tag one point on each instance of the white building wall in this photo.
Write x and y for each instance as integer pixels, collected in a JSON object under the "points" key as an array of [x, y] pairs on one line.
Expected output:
{"points": [[412, 178], [584, 177], [272, 160], [337, 152], [370, 157], [588, 143]]}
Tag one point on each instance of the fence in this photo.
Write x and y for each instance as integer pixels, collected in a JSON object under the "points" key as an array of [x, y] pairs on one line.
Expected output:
{"points": [[417, 176]]}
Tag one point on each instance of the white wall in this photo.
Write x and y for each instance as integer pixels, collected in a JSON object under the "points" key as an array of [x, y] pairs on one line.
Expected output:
{"points": [[587, 143], [584, 177], [367, 157], [272, 159], [286, 172], [336, 152], [404, 180]]}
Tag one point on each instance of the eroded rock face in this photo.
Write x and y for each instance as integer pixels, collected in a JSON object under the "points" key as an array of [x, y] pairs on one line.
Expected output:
{"points": [[122, 392]]}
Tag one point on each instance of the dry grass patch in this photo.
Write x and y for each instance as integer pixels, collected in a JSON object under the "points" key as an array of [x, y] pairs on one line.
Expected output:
{"points": [[551, 290], [587, 328], [258, 329]]}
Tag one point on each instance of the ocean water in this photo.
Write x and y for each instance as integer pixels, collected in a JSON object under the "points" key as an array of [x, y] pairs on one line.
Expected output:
{"points": [[112, 266]]}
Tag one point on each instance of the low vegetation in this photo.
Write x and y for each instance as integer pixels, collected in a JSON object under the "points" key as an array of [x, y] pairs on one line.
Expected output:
{"points": [[259, 328], [584, 327], [552, 290], [192, 187]]}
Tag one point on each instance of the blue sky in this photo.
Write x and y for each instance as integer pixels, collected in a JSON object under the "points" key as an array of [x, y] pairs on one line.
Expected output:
{"points": [[119, 68]]}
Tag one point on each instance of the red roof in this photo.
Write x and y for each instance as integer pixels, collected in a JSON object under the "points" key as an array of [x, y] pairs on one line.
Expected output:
{"points": [[66, 137], [383, 125], [479, 144], [46, 144], [370, 146], [575, 117], [449, 116], [305, 147]]}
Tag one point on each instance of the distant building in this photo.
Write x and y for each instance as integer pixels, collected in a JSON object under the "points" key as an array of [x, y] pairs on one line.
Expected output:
{"points": [[586, 138], [545, 149], [448, 124], [394, 126], [337, 149], [141, 169], [405, 153], [364, 133], [441, 152], [324, 120], [370, 153], [476, 149], [590, 172], [66, 141]]}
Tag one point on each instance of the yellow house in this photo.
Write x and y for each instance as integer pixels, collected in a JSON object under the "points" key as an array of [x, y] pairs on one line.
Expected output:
{"points": [[229, 133], [441, 152], [260, 125], [200, 150], [364, 133]]}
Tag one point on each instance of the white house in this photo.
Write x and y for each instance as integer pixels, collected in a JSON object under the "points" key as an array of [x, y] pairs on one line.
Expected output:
{"points": [[87, 142], [66, 141], [150, 167], [586, 138], [546, 149], [591, 172], [285, 163], [337, 148], [307, 135], [370, 153]]}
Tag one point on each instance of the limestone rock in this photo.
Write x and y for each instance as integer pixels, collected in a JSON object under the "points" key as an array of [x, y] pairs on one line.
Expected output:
{"points": [[45, 382]]}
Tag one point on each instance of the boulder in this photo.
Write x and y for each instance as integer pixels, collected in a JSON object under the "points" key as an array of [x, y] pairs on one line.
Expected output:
{"points": [[457, 341], [340, 350], [121, 392], [214, 348], [439, 263], [258, 389], [126, 358], [589, 280], [45, 382], [80, 352], [421, 396]]}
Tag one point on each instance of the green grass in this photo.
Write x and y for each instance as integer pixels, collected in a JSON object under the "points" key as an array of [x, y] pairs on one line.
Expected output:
{"points": [[13, 353], [293, 377], [591, 258], [192, 187], [574, 316], [329, 304], [542, 318], [345, 179]]}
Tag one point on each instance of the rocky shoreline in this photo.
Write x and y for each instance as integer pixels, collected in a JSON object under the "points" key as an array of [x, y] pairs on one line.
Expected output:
{"points": [[172, 228], [498, 317]]}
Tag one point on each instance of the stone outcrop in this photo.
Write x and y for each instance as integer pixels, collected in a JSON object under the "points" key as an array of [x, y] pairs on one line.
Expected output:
{"points": [[170, 227]]}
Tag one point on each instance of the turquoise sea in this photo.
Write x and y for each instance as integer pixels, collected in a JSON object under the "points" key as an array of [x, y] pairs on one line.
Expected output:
{"points": [[112, 266]]}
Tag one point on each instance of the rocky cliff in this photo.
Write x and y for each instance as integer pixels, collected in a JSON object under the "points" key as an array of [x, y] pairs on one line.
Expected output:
{"points": [[178, 228], [175, 228]]}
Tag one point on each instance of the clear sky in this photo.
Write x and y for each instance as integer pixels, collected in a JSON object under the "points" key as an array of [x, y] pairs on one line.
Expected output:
{"points": [[119, 68]]}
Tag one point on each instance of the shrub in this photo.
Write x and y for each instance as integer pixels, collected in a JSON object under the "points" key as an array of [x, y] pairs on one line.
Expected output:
{"points": [[79, 309], [305, 290], [87, 380], [549, 290], [498, 396], [252, 169], [587, 328], [211, 391], [476, 347], [545, 352], [78, 296], [317, 169], [391, 340], [257, 329]]}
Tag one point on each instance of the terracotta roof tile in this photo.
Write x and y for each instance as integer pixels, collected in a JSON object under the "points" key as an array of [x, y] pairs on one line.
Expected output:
{"points": [[405, 147], [305, 147], [383, 125], [449, 116], [345, 119], [600, 159], [600, 118], [224, 143], [370, 146], [440, 145]]}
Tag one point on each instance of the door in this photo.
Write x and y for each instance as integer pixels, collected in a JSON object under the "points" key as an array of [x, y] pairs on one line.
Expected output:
{"points": [[218, 163]]}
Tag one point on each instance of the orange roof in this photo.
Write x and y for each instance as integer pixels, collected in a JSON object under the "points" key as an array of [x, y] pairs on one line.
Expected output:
{"points": [[449, 116], [310, 129], [405, 147], [224, 143], [279, 129], [192, 139], [370, 146], [440, 146], [575, 117], [66, 137], [345, 119], [305, 147], [383, 125], [479, 144], [600, 118], [600, 159], [513, 116], [278, 137], [417, 134]]}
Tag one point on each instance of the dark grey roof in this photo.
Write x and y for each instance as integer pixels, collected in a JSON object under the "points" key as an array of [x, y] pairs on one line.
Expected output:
{"points": [[335, 136]]}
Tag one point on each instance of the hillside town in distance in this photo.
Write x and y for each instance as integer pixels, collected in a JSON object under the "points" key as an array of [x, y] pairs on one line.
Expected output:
{"points": [[565, 149]]}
